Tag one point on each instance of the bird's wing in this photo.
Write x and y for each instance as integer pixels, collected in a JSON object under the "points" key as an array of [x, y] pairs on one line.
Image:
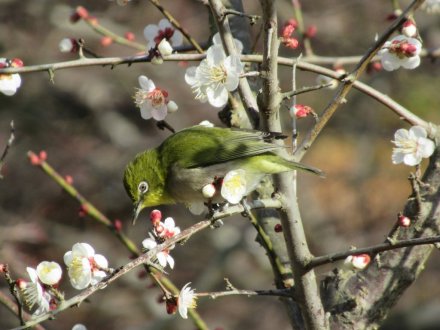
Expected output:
{"points": [[201, 146]]}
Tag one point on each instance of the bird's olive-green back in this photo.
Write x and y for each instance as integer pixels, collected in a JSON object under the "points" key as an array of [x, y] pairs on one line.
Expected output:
{"points": [[201, 146]]}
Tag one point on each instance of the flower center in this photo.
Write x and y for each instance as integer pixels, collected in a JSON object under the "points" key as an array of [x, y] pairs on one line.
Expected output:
{"points": [[157, 97], [403, 48]]}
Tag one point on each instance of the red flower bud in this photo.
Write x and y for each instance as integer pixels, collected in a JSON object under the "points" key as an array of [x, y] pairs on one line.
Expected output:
{"points": [[106, 41], [278, 228], [117, 224], [129, 36]]}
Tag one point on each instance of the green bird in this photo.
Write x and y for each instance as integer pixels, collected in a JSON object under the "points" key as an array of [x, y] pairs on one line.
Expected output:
{"points": [[178, 169]]}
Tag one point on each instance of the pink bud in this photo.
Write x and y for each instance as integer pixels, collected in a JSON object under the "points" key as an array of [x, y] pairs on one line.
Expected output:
{"points": [[291, 43], [68, 179], [409, 28], [359, 261], [117, 224], [404, 221], [155, 217], [21, 284], [300, 110], [287, 31], [43, 155], [80, 13], [83, 210], [311, 31], [129, 36], [106, 41], [3, 268], [16, 63], [34, 159]]}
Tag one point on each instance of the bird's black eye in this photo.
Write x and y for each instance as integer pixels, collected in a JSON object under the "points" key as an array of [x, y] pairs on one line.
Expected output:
{"points": [[143, 187]]}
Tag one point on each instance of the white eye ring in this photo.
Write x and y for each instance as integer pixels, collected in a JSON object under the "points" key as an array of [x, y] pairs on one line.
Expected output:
{"points": [[143, 187]]}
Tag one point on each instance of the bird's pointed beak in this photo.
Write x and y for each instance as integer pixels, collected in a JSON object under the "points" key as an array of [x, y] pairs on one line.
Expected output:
{"points": [[137, 209]]}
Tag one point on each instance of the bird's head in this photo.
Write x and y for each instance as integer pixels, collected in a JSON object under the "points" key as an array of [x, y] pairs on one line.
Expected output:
{"points": [[144, 181]]}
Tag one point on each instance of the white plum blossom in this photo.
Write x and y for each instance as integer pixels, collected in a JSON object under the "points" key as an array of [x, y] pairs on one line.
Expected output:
{"points": [[165, 30], [234, 186], [9, 83], [49, 272], [431, 6], [85, 267], [215, 76], [163, 257], [167, 228], [411, 146], [152, 101], [32, 292], [400, 51], [187, 299]]}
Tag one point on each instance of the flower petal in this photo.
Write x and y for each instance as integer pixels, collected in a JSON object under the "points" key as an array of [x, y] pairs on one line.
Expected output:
{"points": [[150, 32], [165, 23], [217, 97], [160, 113], [426, 147], [177, 38], [146, 112], [190, 75], [146, 84], [149, 243], [412, 159], [417, 132], [411, 62]]}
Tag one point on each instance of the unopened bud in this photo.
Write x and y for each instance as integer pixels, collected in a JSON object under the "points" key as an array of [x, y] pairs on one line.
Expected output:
{"points": [[311, 31], [404, 221], [278, 228], [117, 224], [129, 36], [359, 261], [208, 191], [300, 111], [409, 28], [106, 41], [155, 217], [68, 45], [172, 106], [165, 47]]}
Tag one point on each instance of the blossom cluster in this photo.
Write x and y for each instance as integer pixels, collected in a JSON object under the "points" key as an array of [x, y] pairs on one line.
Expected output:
{"points": [[162, 230], [40, 293]]}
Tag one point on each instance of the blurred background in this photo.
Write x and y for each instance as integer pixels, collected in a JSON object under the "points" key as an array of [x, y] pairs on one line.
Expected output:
{"points": [[87, 123]]}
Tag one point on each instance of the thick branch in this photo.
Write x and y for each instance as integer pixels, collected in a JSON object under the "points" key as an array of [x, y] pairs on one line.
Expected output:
{"points": [[306, 290]]}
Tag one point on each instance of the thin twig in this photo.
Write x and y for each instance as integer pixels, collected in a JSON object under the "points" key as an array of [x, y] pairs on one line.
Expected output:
{"points": [[371, 250], [9, 304], [351, 78], [7, 147], [252, 18], [400, 110], [14, 292], [177, 25]]}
